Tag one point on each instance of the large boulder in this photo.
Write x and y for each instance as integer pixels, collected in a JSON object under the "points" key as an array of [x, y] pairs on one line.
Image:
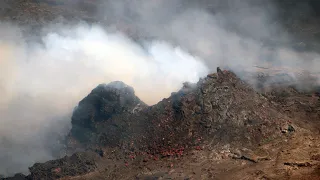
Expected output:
{"points": [[101, 106]]}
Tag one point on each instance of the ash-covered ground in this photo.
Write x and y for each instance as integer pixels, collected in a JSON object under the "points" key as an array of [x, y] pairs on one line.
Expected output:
{"points": [[131, 89]]}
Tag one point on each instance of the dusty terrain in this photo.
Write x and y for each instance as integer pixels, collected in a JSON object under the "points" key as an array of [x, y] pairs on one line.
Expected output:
{"points": [[219, 128]]}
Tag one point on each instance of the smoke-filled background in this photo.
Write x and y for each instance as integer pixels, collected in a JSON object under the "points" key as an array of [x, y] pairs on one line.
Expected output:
{"points": [[154, 46]]}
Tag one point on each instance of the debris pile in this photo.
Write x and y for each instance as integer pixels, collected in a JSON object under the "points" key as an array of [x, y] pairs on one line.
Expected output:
{"points": [[219, 109], [77, 164]]}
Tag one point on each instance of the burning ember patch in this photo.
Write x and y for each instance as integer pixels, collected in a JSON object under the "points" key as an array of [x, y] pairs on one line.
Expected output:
{"points": [[56, 170]]}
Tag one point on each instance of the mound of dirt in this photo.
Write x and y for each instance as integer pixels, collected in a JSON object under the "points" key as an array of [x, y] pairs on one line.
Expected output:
{"points": [[219, 109]]}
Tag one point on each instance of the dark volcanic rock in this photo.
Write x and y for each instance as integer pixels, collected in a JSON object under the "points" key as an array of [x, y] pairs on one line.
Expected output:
{"points": [[18, 176], [77, 164], [219, 109], [101, 106]]}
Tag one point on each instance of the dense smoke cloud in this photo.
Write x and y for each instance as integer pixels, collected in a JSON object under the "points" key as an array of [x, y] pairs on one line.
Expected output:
{"points": [[234, 34], [41, 82]]}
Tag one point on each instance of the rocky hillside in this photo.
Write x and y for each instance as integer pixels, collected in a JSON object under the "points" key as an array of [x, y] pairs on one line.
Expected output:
{"points": [[222, 127], [221, 119], [218, 105]]}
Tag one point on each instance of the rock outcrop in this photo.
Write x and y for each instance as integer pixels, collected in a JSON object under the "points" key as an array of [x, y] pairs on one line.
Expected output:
{"points": [[101, 108], [219, 109]]}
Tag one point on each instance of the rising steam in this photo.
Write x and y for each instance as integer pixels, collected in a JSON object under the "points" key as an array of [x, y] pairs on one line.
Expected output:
{"points": [[41, 82]]}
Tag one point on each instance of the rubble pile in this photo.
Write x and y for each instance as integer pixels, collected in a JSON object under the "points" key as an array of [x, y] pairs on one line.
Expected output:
{"points": [[77, 164], [219, 109]]}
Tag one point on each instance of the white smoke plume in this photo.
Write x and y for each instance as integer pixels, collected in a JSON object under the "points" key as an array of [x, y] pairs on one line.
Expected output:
{"points": [[235, 34], [41, 82]]}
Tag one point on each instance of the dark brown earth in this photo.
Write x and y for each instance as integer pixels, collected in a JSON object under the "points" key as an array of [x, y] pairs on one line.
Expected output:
{"points": [[219, 128]]}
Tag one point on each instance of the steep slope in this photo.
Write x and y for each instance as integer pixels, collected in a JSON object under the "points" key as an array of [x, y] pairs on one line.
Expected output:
{"points": [[219, 111]]}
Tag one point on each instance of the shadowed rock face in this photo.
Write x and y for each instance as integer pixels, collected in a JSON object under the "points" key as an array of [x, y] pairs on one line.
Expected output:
{"points": [[100, 106]]}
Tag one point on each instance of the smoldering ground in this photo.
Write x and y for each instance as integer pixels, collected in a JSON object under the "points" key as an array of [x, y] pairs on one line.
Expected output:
{"points": [[41, 82]]}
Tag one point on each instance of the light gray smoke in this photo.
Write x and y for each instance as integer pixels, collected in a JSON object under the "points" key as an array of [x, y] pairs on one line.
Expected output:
{"points": [[41, 83], [234, 34]]}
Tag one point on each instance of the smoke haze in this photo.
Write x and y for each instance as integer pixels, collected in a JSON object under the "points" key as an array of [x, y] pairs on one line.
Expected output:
{"points": [[153, 46], [41, 83]]}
